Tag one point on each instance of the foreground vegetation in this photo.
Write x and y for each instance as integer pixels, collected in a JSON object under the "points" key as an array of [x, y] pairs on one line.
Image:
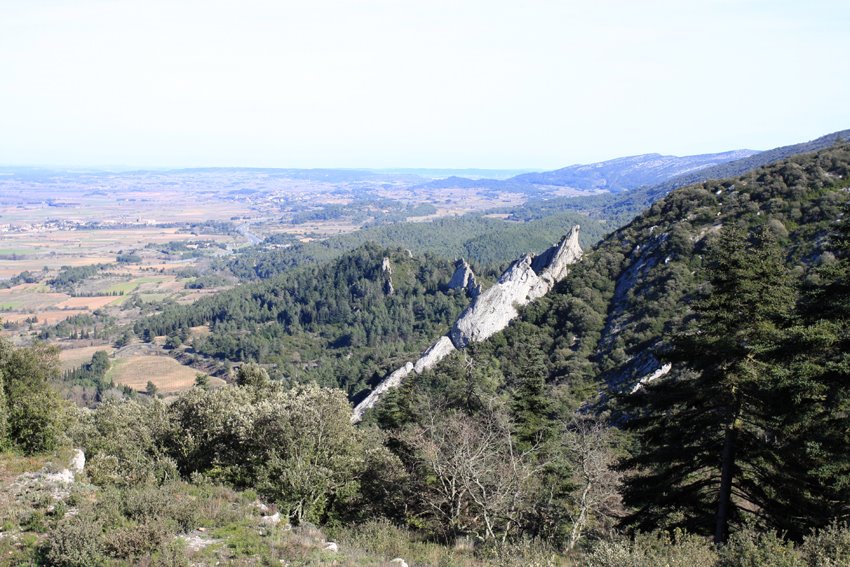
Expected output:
{"points": [[546, 445]]}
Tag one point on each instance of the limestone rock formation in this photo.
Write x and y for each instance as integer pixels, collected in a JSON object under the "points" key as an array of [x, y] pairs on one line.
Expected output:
{"points": [[78, 462], [464, 278], [438, 351], [527, 279], [660, 372], [387, 269]]}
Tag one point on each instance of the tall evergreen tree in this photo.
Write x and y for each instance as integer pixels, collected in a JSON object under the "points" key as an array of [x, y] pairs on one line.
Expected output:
{"points": [[701, 435], [4, 413], [814, 405]]}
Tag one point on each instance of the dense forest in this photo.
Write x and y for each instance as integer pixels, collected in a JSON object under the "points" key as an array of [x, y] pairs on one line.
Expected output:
{"points": [[741, 285], [340, 324], [489, 243], [681, 398]]}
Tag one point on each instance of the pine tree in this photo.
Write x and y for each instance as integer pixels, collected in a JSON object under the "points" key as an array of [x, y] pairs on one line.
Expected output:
{"points": [[814, 404], [4, 414], [532, 408], [701, 433]]}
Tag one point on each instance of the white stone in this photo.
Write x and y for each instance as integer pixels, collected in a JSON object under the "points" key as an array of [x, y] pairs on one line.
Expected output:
{"points": [[527, 279], [331, 546], [399, 562], [65, 476], [78, 461], [272, 520], [391, 381], [663, 371], [464, 278], [437, 352]]}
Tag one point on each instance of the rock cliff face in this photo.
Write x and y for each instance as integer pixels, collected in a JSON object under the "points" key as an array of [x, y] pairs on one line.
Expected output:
{"points": [[387, 269], [527, 279], [464, 278]]}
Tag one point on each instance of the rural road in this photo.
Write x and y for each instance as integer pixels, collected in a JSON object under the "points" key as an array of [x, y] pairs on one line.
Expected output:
{"points": [[245, 230]]}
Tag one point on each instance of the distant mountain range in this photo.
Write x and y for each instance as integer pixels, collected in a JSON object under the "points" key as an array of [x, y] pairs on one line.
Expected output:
{"points": [[644, 177], [648, 194], [616, 175]]}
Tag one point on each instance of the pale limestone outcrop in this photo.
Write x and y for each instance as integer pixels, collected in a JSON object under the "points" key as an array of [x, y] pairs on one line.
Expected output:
{"points": [[527, 279], [464, 278], [390, 382], [658, 373], [438, 351], [387, 268], [78, 462]]}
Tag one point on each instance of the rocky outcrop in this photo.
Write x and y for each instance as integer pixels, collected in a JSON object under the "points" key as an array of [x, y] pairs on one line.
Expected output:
{"points": [[464, 278], [527, 279], [387, 269], [78, 462], [438, 351], [658, 373]]}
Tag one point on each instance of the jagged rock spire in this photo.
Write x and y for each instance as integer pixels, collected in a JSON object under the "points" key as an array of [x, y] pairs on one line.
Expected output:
{"points": [[527, 279], [464, 278]]}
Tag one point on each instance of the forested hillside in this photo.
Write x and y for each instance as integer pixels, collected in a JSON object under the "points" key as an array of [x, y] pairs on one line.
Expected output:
{"points": [[608, 319], [738, 285], [619, 209], [546, 444], [340, 324], [488, 243]]}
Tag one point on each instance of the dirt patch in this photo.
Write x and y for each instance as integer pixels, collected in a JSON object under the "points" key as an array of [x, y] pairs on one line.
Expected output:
{"points": [[90, 303]]}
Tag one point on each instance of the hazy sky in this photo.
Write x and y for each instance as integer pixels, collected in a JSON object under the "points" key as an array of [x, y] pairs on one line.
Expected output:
{"points": [[414, 83]]}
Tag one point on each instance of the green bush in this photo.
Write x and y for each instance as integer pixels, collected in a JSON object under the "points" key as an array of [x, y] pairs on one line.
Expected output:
{"points": [[751, 548], [653, 550], [76, 542], [32, 415], [172, 554], [125, 443], [136, 540], [830, 547]]}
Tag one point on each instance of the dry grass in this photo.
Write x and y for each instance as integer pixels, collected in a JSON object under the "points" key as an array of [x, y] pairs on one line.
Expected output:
{"points": [[44, 317], [169, 375], [73, 357], [90, 303], [200, 331]]}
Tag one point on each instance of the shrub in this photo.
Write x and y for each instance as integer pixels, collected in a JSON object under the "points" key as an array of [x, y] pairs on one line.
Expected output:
{"points": [[33, 414], [751, 548], [137, 540], [172, 554], [76, 542], [830, 547], [652, 550], [125, 443]]}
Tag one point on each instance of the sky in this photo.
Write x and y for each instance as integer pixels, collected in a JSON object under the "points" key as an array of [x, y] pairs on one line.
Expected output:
{"points": [[533, 84]]}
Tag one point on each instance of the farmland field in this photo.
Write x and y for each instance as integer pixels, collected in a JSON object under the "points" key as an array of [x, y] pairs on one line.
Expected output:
{"points": [[84, 255], [73, 357], [169, 375]]}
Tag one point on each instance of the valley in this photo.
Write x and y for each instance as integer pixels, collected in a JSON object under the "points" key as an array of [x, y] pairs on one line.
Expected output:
{"points": [[487, 362]]}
